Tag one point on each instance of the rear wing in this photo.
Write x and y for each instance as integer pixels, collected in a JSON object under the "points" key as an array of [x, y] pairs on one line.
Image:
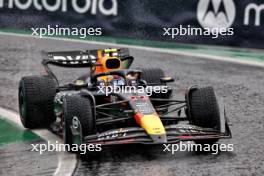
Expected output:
{"points": [[70, 59], [82, 58]]}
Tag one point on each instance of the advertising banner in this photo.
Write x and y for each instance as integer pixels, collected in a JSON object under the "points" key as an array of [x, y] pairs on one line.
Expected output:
{"points": [[213, 22]]}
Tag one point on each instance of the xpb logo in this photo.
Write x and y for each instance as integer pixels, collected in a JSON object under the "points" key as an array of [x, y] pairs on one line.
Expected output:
{"points": [[216, 13]]}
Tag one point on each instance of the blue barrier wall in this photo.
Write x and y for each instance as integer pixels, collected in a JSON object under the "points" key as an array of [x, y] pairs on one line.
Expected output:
{"points": [[144, 19]]}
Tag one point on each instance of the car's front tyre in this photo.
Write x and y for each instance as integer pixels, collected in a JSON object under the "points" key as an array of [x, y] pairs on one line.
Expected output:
{"points": [[204, 110], [80, 109], [36, 101]]}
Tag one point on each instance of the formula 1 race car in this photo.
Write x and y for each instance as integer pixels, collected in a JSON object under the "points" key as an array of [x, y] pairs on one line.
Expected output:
{"points": [[85, 111]]}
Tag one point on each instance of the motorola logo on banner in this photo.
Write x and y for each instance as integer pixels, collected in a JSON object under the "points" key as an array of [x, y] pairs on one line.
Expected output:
{"points": [[88, 6], [216, 13]]}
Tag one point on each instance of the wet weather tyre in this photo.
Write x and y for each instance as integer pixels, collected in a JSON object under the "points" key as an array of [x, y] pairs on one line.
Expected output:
{"points": [[152, 75], [36, 101], [204, 110], [77, 106]]}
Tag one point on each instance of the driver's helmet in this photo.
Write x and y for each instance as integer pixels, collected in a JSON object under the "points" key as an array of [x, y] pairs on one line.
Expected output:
{"points": [[108, 60]]}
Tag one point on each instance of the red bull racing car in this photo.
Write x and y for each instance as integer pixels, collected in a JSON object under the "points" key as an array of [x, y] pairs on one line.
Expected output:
{"points": [[85, 111]]}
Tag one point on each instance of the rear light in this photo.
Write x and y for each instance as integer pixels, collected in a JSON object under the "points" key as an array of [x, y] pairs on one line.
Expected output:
{"points": [[133, 98], [143, 97]]}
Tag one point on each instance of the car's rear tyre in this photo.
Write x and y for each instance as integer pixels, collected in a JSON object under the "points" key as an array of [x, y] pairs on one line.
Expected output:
{"points": [[152, 75], [204, 110], [76, 106], [36, 101]]}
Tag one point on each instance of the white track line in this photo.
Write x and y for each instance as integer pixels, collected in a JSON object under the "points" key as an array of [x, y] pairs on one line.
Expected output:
{"points": [[66, 161], [151, 49]]}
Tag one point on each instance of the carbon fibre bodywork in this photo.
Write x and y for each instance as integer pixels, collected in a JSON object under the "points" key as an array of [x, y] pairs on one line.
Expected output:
{"points": [[174, 134], [126, 118]]}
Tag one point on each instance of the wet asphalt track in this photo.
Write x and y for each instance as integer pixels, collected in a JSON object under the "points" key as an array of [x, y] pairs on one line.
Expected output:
{"points": [[242, 88]]}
